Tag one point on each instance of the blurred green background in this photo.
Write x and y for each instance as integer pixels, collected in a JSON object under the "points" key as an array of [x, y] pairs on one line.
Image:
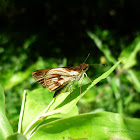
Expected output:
{"points": [[49, 34]]}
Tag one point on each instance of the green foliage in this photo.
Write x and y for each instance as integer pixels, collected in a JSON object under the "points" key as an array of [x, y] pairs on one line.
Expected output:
{"points": [[16, 136], [120, 93], [27, 45], [124, 88], [5, 127], [103, 125], [43, 112], [44, 117]]}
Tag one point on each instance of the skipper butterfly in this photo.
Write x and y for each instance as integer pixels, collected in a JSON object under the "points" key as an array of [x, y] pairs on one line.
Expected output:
{"points": [[58, 79]]}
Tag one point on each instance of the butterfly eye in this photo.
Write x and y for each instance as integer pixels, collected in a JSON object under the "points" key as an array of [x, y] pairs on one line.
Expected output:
{"points": [[84, 68]]}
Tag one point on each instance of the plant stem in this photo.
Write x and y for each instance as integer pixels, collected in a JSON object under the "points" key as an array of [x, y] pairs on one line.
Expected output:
{"points": [[21, 112]]}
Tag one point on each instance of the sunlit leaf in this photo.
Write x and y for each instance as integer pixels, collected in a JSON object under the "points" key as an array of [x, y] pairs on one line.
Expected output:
{"points": [[5, 127], [99, 126], [16, 136], [130, 53]]}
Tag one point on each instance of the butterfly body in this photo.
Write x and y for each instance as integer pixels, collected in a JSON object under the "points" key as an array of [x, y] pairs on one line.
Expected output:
{"points": [[57, 79]]}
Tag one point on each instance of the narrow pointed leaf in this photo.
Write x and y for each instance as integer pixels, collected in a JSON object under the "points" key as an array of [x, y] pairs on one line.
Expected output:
{"points": [[5, 127]]}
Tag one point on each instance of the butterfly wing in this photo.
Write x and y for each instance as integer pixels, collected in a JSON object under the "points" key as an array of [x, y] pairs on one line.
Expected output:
{"points": [[57, 78], [39, 75]]}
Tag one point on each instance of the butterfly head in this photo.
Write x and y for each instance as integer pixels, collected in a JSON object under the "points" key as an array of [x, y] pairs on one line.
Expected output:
{"points": [[84, 66]]}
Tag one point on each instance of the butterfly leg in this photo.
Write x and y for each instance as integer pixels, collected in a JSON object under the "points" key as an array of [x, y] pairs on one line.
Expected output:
{"points": [[81, 83], [70, 88], [88, 77]]}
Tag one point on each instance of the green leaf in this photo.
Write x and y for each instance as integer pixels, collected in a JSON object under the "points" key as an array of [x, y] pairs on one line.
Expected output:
{"points": [[15, 78], [37, 105], [38, 110], [94, 126], [134, 79], [36, 101], [16, 136], [5, 127], [130, 53], [115, 85]]}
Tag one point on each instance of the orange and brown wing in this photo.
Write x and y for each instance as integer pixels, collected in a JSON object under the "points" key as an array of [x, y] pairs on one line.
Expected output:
{"points": [[39, 75], [56, 78]]}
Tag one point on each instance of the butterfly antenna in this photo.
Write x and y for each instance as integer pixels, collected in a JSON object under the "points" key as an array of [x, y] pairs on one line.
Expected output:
{"points": [[86, 58], [98, 64]]}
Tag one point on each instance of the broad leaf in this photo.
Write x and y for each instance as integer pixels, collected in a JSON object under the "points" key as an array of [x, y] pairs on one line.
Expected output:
{"points": [[94, 126]]}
